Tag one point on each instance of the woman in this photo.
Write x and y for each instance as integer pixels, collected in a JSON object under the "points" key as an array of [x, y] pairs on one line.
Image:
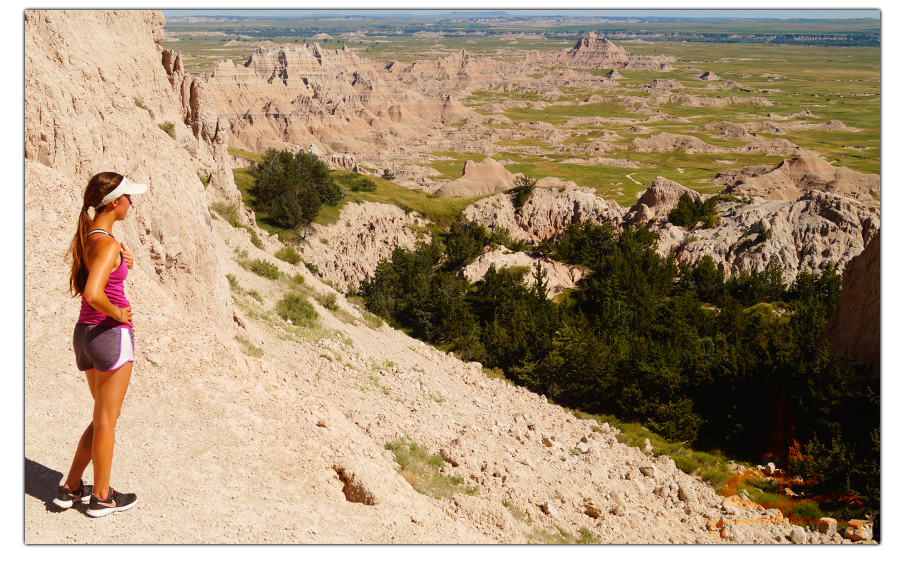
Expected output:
{"points": [[103, 339]]}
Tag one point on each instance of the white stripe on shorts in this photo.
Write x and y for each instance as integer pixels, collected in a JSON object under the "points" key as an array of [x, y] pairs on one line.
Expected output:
{"points": [[126, 349]]}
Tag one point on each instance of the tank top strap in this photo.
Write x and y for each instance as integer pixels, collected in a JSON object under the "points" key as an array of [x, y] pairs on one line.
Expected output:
{"points": [[95, 231]]}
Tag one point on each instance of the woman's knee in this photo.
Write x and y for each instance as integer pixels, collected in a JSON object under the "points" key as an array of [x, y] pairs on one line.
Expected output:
{"points": [[106, 418]]}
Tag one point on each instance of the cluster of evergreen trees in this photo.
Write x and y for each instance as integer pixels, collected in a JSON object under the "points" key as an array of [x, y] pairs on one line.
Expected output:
{"points": [[695, 357], [291, 188]]}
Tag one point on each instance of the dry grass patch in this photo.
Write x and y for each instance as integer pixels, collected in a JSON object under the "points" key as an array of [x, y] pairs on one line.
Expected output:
{"points": [[422, 470]]}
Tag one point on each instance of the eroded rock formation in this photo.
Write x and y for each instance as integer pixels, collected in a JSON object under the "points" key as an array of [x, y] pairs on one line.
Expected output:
{"points": [[592, 51], [346, 252], [802, 233], [795, 176], [546, 213], [478, 178], [289, 96]]}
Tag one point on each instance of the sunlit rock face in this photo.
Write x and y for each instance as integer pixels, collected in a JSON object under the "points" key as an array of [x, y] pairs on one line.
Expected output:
{"points": [[288, 97]]}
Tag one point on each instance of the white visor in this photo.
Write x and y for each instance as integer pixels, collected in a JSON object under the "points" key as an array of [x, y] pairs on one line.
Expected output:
{"points": [[126, 187]]}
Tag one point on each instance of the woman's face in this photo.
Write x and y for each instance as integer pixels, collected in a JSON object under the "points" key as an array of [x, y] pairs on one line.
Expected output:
{"points": [[124, 203]]}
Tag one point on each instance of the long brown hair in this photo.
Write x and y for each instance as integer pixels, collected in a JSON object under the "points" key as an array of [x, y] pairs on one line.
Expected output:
{"points": [[99, 187]]}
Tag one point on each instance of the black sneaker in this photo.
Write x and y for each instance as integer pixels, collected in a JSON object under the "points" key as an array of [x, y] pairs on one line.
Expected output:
{"points": [[115, 501], [65, 498]]}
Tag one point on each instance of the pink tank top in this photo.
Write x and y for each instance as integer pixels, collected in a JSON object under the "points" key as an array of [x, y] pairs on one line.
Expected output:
{"points": [[115, 292]]}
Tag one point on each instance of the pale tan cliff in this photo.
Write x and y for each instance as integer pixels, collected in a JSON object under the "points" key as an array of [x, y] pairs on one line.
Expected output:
{"points": [[348, 251], [546, 213]]}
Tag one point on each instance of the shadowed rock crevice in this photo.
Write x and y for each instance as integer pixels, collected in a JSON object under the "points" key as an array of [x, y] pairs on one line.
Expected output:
{"points": [[354, 488]]}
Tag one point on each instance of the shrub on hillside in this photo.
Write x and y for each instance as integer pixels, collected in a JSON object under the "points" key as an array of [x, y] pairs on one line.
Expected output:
{"points": [[524, 186], [328, 300], [264, 268], [297, 309], [288, 254], [363, 184], [168, 127], [689, 211], [227, 211], [254, 238], [139, 103]]}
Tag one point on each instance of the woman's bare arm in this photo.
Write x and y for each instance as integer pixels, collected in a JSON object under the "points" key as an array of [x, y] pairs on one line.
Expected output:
{"points": [[100, 263]]}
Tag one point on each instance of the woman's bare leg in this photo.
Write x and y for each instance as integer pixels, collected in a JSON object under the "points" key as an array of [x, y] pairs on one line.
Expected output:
{"points": [[83, 452], [109, 393]]}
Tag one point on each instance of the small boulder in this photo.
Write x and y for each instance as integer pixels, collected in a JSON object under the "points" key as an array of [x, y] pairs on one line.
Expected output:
{"points": [[548, 508], [798, 535], [858, 530], [591, 509], [827, 526]]}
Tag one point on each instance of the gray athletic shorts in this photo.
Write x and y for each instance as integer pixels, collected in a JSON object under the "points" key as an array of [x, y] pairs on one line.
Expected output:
{"points": [[103, 348]]}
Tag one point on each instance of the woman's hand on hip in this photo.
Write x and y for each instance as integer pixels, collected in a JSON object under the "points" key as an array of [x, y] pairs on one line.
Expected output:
{"points": [[126, 315]]}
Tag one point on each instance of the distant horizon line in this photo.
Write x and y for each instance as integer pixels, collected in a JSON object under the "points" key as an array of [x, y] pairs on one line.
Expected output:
{"points": [[732, 15]]}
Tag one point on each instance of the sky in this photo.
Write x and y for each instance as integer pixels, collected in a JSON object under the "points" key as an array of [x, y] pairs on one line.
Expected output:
{"points": [[694, 13]]}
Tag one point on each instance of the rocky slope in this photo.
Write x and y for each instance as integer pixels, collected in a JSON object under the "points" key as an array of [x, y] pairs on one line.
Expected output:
{"points": [[348, 251], [292, 421]]}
